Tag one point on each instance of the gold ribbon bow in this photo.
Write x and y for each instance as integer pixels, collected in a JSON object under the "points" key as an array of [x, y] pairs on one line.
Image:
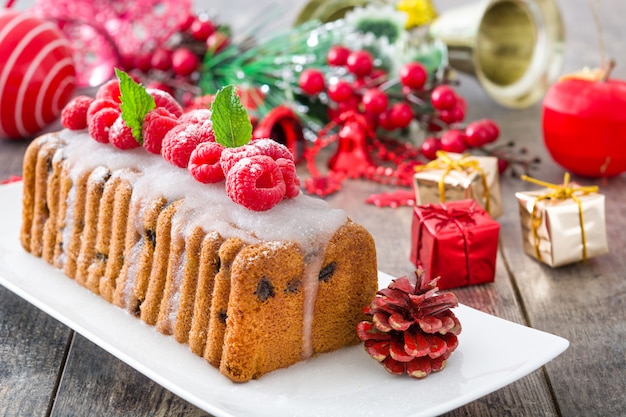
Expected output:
{"points": [[560, 192], [448, 164]]}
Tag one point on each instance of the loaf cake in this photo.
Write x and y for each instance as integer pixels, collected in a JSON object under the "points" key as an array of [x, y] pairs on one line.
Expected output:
{"points": [[250, 291]]}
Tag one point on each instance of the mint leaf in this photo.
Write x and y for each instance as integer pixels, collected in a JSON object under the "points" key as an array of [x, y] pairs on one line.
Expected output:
{"points": [[230, 120], [136, 103]]}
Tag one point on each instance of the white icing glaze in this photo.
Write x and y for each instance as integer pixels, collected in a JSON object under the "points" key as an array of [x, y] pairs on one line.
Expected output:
{"points": [[309, 222]]}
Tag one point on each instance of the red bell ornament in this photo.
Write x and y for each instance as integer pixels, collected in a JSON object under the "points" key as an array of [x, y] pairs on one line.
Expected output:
{"points": [[584, 125], [351, 156], [37, 78]]}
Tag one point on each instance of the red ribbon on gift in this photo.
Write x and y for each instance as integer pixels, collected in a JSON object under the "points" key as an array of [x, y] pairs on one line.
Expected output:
{"points": [[447, 215]]}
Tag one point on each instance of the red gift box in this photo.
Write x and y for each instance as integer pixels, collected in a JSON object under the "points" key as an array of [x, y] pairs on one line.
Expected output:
{"points": [[457, 240]]}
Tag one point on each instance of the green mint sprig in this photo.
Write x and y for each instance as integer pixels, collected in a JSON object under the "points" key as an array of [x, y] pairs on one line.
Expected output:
{"points": [[230, 120], [136, 103]]}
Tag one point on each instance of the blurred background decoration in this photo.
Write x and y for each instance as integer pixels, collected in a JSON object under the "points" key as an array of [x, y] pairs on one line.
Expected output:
{"points": [[37, 76], [374, 79]]}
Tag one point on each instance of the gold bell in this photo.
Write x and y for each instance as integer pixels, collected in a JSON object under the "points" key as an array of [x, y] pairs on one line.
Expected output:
{"points": [[514, 48]]}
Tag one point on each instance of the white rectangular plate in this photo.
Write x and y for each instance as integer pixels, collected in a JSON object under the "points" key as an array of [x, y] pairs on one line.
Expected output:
{"points": [[492, 352]]}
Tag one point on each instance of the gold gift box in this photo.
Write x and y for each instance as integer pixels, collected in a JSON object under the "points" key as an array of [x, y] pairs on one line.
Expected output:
{"points": [[562, 224], [460, 177]]}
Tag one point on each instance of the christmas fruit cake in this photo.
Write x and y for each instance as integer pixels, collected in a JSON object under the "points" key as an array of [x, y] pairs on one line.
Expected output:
{"points": [[189, 225]]}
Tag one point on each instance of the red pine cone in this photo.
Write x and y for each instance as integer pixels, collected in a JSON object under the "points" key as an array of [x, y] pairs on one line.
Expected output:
{"points": [[412, 330]]}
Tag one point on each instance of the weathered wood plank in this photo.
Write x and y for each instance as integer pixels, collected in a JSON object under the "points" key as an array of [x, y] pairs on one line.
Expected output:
{"points": [[32, 354]]}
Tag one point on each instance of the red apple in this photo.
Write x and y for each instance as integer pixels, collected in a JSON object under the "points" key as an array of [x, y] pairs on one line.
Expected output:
{"points": [[584, 125]]}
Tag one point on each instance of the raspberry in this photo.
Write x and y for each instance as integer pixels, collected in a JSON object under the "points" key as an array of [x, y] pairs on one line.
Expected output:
{"points": [[74, 114], [231, 156], [256, 183], [100, 123], [182, 139], [196, 116], [292, 182], [267, 147], [272, 148], [165, 100], [110, 90], [99, 104], [204, 163], [155, 126], [121, 136]]}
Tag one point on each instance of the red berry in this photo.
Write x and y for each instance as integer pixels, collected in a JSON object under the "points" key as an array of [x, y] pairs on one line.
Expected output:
{"points": [[413, 75], [476, 135], [503, 164], [337, 55], [217, 42], [155, 126], [181, 140], [352, 104], [99, 104], [272, 149], [443, 97], [377, 76], [184, 62], [74, 114], [121, 136], [400, 115], [256, 183], [165, 100], [126, 62], [360, 63], [340, 91], [481, 132], [204, 163], [200, 30], [100, 123], [110, 90], [311, 81], [231, 156], [196, 116], [384, 121], [186, 24], [161, 59], [375, 101], [453, 115], [160, 85], [292, 182], [430, 146], [142, 62], [492, 127], [453, 140]]}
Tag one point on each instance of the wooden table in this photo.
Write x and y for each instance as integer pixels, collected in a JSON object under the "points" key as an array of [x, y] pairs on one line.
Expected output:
{"points": [[48, 369]]}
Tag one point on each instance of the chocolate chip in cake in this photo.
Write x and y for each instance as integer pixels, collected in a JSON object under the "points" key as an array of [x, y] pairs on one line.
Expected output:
{"points": [[327, 272], [264, 290]]}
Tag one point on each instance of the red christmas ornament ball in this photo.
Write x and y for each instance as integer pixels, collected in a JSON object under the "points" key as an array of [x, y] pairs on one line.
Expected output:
{"points": [[37, 78], [584, 126]]}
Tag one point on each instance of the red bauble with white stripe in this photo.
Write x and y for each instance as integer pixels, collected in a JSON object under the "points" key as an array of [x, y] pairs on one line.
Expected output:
{"points": [[37, 76]]}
